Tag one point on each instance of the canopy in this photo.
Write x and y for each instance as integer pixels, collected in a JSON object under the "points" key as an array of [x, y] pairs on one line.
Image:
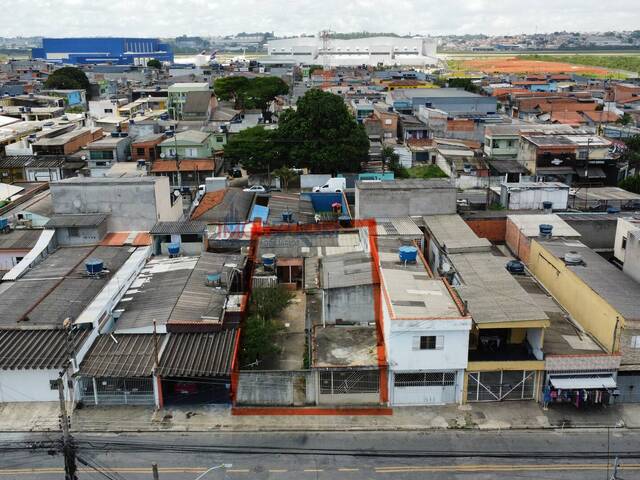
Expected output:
{"points": [[568, 383]]}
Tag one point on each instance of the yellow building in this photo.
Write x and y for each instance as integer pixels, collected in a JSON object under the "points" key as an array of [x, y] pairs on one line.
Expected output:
{"points": [[598, 296]]}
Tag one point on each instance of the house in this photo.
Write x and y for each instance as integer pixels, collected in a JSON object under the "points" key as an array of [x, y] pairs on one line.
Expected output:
{"points": [[626, 246], [187, 172], [426, 330], [503, 141], [133, 204], [410, 127], [78, 229], [107, 151], [188, 144], [454, 101], [67, 143], [39, 168], [505, 356], [400, 198], [146, 148], [188, 235], [533, 195], [177, 97]]}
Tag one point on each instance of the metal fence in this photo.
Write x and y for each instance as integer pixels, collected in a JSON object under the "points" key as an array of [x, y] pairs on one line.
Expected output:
{"points": [[501, 385], [337, 382], [116, 391], [424, 379]]}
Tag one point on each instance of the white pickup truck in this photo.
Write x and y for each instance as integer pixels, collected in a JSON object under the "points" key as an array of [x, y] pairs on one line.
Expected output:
{"points": [[333, 185]]}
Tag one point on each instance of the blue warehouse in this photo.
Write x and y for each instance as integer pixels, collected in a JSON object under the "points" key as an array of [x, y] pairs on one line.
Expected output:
{"points": [[116, 51]]}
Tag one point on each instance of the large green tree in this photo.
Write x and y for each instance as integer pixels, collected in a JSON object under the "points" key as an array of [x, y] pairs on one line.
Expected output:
{"points": [[68, 78], [631, 184], [255, 148], [322, 135], [250, 93]]}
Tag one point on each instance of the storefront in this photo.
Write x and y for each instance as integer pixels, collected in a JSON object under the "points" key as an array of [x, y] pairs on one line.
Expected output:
{"points": [[580, 390]]}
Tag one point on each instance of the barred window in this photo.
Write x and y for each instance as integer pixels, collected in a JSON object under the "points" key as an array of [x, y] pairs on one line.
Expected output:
{"points": [[343, 382], [424, 379]]}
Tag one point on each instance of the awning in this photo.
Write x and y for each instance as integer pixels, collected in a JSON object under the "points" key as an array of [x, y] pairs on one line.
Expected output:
{"points": [[585, 382], [594, 172], [554, 170]]}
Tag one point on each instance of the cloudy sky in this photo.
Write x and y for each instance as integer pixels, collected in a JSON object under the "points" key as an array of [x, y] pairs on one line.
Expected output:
{"points": [[285, 17]]}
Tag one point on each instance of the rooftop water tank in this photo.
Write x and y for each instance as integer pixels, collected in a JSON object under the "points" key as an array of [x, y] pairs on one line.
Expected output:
{"points": [[408, 254], [545, 230], [213, 279], [269, 260], [94, 266], [547, 206], [4, 224], [572, 258], [344, 221], [287, 217], [174, 249]]}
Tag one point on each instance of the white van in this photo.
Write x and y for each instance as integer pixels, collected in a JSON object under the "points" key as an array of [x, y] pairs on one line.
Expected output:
{"points": [[332, 185]]}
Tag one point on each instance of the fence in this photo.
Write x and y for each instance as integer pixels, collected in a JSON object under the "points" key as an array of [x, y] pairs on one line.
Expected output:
{"points": [[352, 387], [281, 388], [116, 391]]}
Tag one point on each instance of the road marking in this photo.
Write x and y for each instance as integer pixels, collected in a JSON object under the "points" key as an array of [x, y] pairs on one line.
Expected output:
{"points": [[348, 469], [502, 468], [276, 470], [312, 470], [239, 470]]}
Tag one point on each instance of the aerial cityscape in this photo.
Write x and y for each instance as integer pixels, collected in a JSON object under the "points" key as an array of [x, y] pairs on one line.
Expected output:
{"points": [[277, 241]]}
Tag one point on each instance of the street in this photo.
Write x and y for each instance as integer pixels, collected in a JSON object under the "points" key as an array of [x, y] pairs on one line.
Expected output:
{"points": [[544, 455]]}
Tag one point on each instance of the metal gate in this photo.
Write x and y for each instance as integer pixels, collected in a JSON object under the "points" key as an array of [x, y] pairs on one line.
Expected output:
{"points": [[424, 388], [501, 385], [629, 388], [116, 391]]}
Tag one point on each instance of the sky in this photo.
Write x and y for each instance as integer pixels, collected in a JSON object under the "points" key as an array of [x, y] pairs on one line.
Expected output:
{"points": [[169, 18]]}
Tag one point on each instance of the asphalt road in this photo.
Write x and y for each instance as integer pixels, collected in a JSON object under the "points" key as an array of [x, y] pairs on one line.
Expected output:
{"points": [[540, 455]]}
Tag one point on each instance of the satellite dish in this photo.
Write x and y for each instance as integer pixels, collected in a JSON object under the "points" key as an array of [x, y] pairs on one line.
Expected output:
{"points": [[176, 193], [83, 157], [162, 155]]}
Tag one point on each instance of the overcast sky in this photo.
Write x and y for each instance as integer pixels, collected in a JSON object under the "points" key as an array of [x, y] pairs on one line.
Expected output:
{"points": [[168, 18]]}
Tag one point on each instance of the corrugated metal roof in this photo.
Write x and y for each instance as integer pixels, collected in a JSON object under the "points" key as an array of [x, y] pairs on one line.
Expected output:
{"points": [[37, 349], [19, 239], [198, 354], [79, 220], [178, 228], [121, 356]]}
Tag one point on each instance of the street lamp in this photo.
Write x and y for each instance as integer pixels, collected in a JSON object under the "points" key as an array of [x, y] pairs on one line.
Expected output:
{"points": [[222, 465]]}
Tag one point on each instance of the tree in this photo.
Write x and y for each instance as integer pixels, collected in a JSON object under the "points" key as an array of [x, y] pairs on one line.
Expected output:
{"points": [[625, 119], [154, 63], [286, 174], [68, 78], [259, 332], [232, 88], [631, 184], [262, 91], [322, 135], [391, 161], [255, 148], [632, 152]]}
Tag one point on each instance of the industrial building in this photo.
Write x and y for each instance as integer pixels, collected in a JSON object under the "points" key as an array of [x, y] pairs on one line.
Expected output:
{"points": [[417, 51], [117, 50]]}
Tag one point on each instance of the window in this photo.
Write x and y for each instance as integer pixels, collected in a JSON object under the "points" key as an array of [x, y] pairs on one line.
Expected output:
{"points": [[509, 143], [108, 110], [101, 155], [428, 342], [191, 152], [635, 341], [53, 384], [583, 154], [624, 243], [388, 121], [73, 231], [495, 144], [219, 139], [140, 151]]}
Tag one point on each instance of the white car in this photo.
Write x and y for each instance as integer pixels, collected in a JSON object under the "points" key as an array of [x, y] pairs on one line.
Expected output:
{"points": [[255, 189]]}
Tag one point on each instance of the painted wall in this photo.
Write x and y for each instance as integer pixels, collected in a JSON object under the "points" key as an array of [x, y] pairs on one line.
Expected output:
{"points": [[375, 203], [593, 313], [9, 258], [86, 236], [27, 385], [493, 229], [632, 258], [353, 304]]}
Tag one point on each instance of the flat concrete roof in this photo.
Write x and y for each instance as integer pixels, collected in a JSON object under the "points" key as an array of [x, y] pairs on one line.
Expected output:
{"points": [[409, 184], [410, 289], [453, 234], [529, 225], [338, 346], [610, 283], [606, 193]]}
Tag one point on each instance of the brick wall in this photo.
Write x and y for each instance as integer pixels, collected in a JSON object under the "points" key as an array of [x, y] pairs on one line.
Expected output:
{"points": [[493, 229]]}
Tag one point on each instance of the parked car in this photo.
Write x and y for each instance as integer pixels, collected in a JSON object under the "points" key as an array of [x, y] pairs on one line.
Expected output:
{"points": [[515, 266], [332, 185], [255, 189]]}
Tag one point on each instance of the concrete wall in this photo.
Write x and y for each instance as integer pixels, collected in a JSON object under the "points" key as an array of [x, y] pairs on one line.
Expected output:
{"points": [[592, 312], [27, 385], [352, 304], [632, 258], [131, 205], [595, 234], [86, 236], [374, 203], [517, 242], [9, 258]]}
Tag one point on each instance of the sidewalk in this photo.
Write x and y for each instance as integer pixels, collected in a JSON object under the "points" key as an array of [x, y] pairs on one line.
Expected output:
{"points": [[481, 416]]}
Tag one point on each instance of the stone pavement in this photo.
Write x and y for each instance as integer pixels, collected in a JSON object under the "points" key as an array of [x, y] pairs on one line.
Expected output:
{"points": [[483, 416]]}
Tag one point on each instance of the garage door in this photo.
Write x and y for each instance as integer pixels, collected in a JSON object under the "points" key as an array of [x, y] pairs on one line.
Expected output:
{"points": [[424, 388], [629, 388]]}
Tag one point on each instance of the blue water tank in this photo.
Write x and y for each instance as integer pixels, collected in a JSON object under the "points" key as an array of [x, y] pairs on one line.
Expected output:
{"points": [[269, 260], [547, 205], [174, 249], [408, 254], [344, 221], [613, 210], [287, 217], [213, 278], [94, 266], [545, 229]]}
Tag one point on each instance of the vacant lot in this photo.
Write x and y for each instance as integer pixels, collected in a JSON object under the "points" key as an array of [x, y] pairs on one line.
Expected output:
{"points": [[519, 65]]}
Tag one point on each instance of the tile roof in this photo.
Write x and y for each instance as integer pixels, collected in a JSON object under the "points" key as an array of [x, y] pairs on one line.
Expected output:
{"points": [[602, 116], [188, 165], [121, 356], [199, 354], [207, 202], [19, 239], [234, 207], [37, 348]]}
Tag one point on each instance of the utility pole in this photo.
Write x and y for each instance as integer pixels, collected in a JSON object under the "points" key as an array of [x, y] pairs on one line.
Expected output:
{"points": [[68, 449], [614, 475]]}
